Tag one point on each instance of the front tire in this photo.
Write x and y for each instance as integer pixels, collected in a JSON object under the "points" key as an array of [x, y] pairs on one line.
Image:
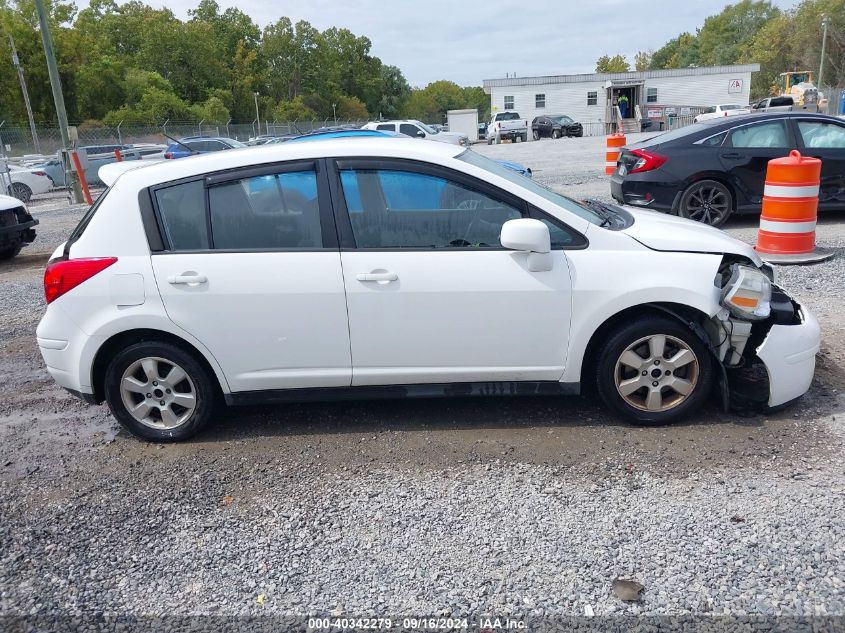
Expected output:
{"points": [[555, 134], [653, 370], [706, 201], [20, 191], [160, 392]]}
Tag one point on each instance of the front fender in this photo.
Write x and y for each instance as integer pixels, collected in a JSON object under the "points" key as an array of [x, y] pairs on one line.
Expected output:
{"points": [[606, 283]]}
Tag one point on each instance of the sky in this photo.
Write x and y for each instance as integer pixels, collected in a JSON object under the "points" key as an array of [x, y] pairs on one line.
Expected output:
{"points": [[468, 41]]}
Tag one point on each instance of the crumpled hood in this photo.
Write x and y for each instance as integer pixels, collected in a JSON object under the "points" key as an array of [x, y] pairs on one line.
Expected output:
{"points": [[663, 232]]}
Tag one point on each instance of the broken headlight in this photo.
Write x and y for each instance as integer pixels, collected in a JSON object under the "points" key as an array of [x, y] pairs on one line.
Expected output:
{"points": [[747, 293]]}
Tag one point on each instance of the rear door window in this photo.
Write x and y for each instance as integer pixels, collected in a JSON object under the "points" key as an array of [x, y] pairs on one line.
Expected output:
{"points": [[390, 127], [767, 134], [275, 211]]}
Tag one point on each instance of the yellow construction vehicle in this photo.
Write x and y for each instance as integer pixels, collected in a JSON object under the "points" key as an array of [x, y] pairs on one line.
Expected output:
{"points": [[799, 85]]}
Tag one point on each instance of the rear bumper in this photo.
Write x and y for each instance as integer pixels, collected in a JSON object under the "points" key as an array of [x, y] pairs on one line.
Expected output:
{"points": [[62, 346], [645, 191], [789, 354]]}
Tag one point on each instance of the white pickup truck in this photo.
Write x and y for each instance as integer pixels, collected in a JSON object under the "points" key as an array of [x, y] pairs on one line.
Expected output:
{"points": [[507, 125]]}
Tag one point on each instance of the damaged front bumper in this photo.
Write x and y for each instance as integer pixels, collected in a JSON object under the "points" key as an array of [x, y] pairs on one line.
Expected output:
{"points": [[789, 354]]}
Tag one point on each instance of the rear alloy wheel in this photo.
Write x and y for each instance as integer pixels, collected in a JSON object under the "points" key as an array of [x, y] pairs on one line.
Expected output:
{"points": [[20, 191], [707, 201], [536, 134], [654, 370], [159, 392], [555, 134]]}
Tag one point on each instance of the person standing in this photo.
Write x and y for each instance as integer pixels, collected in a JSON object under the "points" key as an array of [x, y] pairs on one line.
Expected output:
{"points": [[622, 102]]}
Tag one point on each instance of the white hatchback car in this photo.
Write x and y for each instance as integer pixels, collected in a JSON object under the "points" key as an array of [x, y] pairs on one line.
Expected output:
{"points": [[365, 267]]}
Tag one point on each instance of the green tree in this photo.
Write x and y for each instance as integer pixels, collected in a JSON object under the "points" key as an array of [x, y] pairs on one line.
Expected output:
{"points": [[394, 92], [642, 60], [723, 37], [294, 110], [351, 109], [615, 64]]}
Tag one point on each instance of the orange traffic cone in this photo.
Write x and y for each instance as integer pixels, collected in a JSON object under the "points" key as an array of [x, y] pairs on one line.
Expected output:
{"points": [[615, 143], [790, 206]]}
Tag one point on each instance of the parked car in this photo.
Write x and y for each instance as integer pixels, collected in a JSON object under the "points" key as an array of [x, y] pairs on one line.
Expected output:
{"points": [[200, 145], [723, 110], [54, 169], [507, 126], [16, 227], [24, 182], [707, 171], [555, 126], [774, 104], [417, 129], [387, 267]]}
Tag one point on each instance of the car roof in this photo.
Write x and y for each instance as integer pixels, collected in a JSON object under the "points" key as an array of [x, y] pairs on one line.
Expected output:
{"points": [[387, 147], [728, 122]]}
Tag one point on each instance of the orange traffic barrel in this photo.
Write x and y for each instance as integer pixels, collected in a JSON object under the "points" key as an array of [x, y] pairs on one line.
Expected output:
{"points": [[615, 143], [790, 206]]}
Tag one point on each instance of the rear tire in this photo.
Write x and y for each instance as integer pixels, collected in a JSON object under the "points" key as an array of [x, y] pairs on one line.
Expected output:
{"points": [[9, 253], [536, 135], [706, 201], [653, 370], [20, 191], [160, 392], [524, 137]]}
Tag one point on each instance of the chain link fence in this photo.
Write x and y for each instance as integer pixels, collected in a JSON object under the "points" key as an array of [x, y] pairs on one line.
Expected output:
{"points": [[18, 142]]}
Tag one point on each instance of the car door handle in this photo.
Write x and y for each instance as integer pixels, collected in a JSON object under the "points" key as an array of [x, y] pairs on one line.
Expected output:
{"points": [[192, 278], [733, 155], [385, 276]]}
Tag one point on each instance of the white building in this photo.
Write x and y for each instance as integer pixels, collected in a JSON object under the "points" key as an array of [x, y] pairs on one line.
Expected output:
{"points": [[660, 95]]}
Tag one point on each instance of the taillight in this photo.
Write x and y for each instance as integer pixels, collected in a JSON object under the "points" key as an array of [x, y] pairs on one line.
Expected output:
{"points": [[168, 155], [646, 161], [64, 275]]}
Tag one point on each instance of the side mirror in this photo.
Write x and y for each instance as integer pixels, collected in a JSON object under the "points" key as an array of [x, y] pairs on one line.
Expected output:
{"points": [[420, 134], [532, 236]]}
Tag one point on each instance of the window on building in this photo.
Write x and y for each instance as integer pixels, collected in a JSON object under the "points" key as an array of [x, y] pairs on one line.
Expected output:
{"points": [[540, 101], [651, 95], [509, 102], [592, 98]]}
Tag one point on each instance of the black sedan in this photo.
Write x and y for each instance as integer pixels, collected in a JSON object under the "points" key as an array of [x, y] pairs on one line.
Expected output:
{"points": [[555, 126], [708, 170]]}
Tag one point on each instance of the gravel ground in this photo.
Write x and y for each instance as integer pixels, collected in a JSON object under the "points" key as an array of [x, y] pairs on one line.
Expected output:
{"points": [[523, 507]]}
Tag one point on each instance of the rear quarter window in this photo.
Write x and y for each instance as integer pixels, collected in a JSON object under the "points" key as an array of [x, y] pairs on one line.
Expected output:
{"points": [[182, 211]]}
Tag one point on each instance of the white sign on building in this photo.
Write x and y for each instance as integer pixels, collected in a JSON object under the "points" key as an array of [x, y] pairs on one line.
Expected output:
{"points": [[735, 85]]}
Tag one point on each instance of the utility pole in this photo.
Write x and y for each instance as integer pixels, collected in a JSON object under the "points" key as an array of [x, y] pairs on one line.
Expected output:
{"points": [[58, 98], [257, 116], [825, 22], [25, 93]]}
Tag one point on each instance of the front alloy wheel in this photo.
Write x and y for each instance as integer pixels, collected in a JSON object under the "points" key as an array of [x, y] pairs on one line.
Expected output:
{"points": [[707, 201], [653, 370], [656, 373]]}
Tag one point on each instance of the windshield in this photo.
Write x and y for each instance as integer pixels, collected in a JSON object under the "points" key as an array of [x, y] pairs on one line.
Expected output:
{"points": [[569, 204], [561, 118], [428, 129]]}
